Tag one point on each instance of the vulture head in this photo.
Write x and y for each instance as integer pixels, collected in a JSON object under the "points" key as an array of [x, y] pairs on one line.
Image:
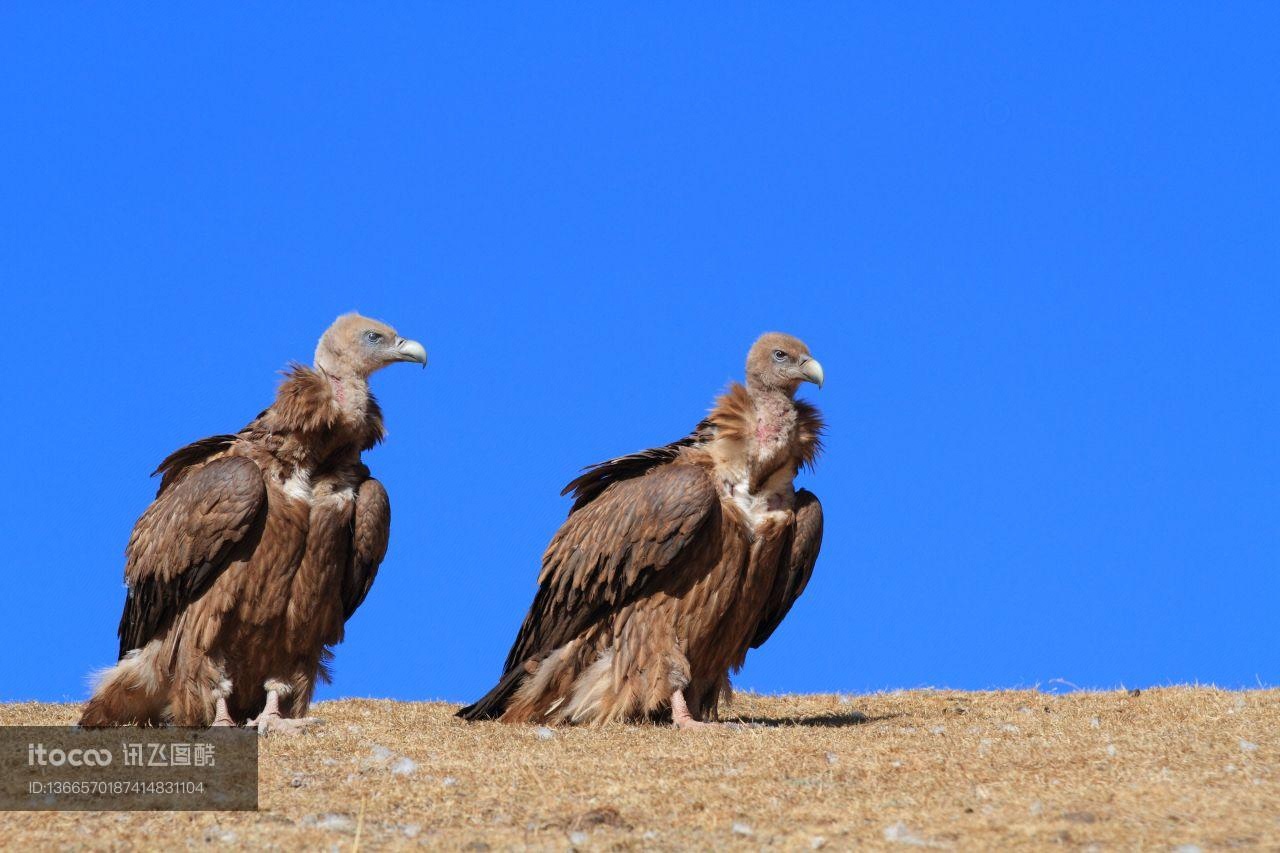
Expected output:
{"points": [[781, 362], [357, 346]]}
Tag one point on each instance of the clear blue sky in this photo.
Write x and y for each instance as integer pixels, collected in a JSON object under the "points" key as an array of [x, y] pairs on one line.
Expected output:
{"points": [[1036, 246]]}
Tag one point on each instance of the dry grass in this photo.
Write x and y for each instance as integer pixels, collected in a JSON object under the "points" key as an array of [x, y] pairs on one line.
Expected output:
{"points": [[1169, 767]]}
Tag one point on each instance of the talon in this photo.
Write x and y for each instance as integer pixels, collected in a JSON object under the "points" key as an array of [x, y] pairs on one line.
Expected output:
{"points": [[685, 725], [277, 725]]}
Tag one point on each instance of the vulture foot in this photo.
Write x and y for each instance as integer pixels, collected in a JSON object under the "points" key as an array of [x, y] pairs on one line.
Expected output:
{"points": [[682, 719], [691, 723], [269, 722], [274, 724]]}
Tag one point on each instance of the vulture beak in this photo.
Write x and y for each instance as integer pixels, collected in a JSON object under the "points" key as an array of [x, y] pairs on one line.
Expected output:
{"points": [[812, 371], [407, 350]]}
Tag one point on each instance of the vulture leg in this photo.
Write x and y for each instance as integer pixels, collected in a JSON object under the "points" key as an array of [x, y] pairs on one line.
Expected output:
{"points": [[270, 722], [682, 719], [222, 717], [680, 715]]}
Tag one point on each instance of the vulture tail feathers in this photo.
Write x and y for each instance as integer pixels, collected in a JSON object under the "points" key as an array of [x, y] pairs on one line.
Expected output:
{"points": [[128, 693], [114, 704], [492, 705], [594, 479]]}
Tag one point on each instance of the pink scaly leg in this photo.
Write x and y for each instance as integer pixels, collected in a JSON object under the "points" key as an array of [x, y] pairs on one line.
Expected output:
{"points": [[222, 717], [680, 715]]}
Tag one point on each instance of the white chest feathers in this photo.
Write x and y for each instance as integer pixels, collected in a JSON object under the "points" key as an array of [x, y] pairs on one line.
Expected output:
{"points": [[298, 486], [325, 492], [775, 497]]}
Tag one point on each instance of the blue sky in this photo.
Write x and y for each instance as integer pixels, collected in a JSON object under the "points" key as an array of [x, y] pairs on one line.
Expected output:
{"points": [[1036, 247]]}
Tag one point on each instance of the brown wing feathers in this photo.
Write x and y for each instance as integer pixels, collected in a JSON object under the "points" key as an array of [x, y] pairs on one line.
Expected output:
{"points": [[798, 567], [604, 556], [184, 540], [596, 478], [183, 458], [371, 531]]}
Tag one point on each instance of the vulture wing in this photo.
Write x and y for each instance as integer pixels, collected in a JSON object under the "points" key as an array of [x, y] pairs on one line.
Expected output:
{"points": [[371, 530], [806, 539], [607, 552], [185, 538], [594, 479]]}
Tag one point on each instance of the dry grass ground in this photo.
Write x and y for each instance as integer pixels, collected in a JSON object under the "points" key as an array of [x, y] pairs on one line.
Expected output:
{"points": [[1015, 769]]}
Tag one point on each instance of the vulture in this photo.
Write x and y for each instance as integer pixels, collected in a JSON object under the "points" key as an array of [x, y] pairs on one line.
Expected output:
{"points": [[673, 563], [257, 549]]}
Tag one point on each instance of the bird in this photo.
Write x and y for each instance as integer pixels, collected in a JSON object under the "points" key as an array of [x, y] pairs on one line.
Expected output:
{"points": [[258, 547], [673, 563]]}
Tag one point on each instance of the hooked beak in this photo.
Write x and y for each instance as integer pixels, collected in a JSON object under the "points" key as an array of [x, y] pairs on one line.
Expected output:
{"points": [[812, 371], [407, 350]]}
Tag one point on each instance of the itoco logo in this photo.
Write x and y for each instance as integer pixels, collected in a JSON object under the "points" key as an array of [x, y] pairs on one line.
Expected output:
{"points": [[37, 754]]}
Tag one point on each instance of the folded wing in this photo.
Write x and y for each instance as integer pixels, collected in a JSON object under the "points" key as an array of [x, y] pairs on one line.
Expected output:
{"points": [[806, 540], [370, 533], [184, 541], [606, 555]]}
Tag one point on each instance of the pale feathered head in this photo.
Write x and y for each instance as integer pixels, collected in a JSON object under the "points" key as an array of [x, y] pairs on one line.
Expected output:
{"points": [[356, 345], [781, 362]]}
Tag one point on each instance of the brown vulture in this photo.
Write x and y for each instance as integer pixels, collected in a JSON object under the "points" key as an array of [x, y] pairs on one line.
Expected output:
{"points": [[674, 562], [257, 549]]}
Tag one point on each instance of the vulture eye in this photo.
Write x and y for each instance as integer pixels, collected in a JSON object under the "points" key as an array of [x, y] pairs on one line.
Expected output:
{"points": [[779, 355], [372, 337]]}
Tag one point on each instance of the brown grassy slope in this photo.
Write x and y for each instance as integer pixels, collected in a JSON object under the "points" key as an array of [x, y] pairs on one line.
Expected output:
{"points": [[963, 770]]}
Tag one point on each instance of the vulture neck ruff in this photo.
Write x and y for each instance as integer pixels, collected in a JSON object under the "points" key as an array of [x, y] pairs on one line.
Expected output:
{"points": [[317, 416], [757, 451]]}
